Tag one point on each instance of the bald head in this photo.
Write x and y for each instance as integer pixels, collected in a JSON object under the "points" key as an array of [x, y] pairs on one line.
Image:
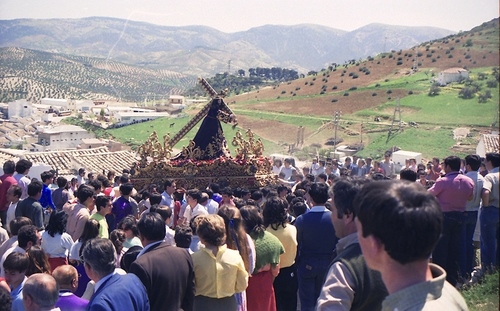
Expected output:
{"points": [[40, 292], [66, 277]]}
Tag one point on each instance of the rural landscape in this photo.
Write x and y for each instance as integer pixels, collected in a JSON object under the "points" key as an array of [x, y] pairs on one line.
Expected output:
{"points": [[370, 101], [363, 91]]}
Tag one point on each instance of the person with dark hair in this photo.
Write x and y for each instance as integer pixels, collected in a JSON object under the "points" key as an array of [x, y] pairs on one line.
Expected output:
{"points": [[435, 169], [226, 197], [103, 206], [212, 206], [129, 226], [55, 241], [5, 299], [489, 213], [113, 291], [6, 181], [81, 176], [60, 196], [96, 185], [38, 261], [321, 178], [314, 251], [67, 278], [399, 224], [219, 271], [46, 198], [22, 169], [467, 249], [216, 195], [123, 206], [15, 266], [408, 174], [31, 207], [193, 208], [169, 287], [238, 239], [27, 236], [79, 213], [276, 222], [167, 198], [182, 237], [13, 196], [268, 248], [14, 225], [118, 237], [349, 284], [166, 214], [452, 192]]}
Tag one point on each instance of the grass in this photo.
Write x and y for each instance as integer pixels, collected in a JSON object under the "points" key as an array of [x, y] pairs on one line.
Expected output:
{"points": [[483, 296], [137, 134], [428, 141]]}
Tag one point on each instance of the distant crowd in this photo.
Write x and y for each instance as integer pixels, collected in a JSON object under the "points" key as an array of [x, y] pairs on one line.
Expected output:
{"points": [[331, 236]]}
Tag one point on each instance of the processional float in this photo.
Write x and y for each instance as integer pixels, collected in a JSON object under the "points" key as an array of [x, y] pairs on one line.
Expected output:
{"points": [[206, 159]]}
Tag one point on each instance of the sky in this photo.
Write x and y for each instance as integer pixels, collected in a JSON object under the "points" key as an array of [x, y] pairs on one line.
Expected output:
{"points": [[240, 15]]}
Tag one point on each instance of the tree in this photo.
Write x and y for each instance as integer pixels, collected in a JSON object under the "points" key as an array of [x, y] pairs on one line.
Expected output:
{"points": [[101, 113], [434, 91], [241, 73], [467, 92]]}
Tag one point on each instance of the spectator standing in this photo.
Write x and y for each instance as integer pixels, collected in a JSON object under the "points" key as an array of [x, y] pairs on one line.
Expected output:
{"points": [[67, 279], [22, 169], [13, 196], [61, 195], [6, 180], [15, 266], [55, 241], [452, 191], [398, 226], [79, 213], [103, 207], [489, 213], [31, 207], [314, 251]]}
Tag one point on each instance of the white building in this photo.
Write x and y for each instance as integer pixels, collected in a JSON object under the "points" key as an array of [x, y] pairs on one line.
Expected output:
{"points": [[20, 108], [124, 118], [62, 137], [399, 158], [452, 75], [176, 99]]}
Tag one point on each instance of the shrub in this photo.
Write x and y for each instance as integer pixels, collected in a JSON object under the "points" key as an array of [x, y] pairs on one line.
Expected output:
{"points": [[399, 63], [374, 94], [334, 87], [386, 80], [434, 90], [306, 83], [492, 83], [322, 92], [346, 94], [389, 91], [367, 72], [450, 56], [297, 88], [353, 88], [377, 85], [311, 84], [466, 93], [334, 100], [351, 74], [283, 92], [355, 76], [410, 93]]}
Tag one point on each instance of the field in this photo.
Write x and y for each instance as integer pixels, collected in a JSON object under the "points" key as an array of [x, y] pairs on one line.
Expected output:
{"points": [[365, 93]]}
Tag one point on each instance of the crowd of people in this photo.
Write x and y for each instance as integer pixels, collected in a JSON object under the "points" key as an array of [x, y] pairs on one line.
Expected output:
{"points": [[332, 236]]}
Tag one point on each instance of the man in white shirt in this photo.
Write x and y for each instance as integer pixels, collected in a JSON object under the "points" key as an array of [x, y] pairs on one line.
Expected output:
{"points": [[13, 196], [22, 169], [193, 208], [211, 206], [167, 198]]}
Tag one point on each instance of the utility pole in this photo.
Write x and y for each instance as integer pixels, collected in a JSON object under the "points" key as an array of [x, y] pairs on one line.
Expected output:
{"points": [[336, 118], [397, 111]]}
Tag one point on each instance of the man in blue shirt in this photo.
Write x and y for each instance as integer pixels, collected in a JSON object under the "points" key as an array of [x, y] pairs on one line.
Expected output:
{"points": [[15, 266]]}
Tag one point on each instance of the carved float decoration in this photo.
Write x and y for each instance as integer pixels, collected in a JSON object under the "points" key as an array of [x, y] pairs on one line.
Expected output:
{"points": [[206, 159]]}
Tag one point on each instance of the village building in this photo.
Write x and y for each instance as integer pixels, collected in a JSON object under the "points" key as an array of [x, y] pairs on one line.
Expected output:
{"points": [[61, 137], [452, 75]]}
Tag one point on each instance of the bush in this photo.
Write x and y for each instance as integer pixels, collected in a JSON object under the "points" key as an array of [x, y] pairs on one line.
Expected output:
{"points": [[466, 92], [410, 93], [283, 92], [367, 72], [334, 100], [378, 84], [334, 87], [351, 74], [399, 63], [389, 92], [353, 88], [355, 76], [434, 90], [484, 97], [346, 94], [492, 83], [374, 94]]}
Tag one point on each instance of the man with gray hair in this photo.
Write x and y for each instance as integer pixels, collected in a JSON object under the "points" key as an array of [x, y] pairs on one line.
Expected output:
{"points": [[40, 292], [112, 291]]}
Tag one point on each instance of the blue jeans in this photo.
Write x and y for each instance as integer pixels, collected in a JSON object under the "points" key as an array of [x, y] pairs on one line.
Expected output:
{"points": [[447, 251], [489, 234], [467, 252], [311, 274]]}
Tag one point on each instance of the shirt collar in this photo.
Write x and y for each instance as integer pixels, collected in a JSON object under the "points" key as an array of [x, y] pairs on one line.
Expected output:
{"points": [[147, 247], [318, 209], [346, 241], [101, 281]]}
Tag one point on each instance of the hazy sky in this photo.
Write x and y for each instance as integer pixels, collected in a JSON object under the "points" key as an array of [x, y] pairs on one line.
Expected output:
{"points": [[237, 15]]}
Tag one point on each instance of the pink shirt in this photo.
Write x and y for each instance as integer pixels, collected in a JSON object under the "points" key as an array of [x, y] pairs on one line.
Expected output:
{"points": [[452, 191]]}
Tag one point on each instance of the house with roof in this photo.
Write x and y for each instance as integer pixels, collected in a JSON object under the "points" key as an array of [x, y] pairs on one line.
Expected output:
{"points": [[61, 137], [452, 75], [487, 143]]}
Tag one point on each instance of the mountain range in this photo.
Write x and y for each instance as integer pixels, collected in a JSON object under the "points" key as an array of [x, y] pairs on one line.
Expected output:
{"points": [[204, 51]]}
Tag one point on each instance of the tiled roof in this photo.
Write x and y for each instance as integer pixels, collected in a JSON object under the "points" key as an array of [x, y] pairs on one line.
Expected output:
{"points": [[454, 70], [490, 142], [67, 162]]}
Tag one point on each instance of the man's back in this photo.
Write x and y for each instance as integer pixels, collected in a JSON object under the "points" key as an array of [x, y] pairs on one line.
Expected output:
{"points": [[120, 292], [315, 234], [32, 209], [168, 275]]}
